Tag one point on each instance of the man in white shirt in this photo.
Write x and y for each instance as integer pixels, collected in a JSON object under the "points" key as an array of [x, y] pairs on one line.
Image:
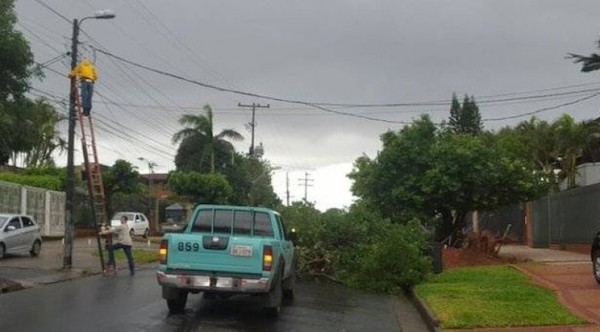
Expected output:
{"points": [[124, 242]]}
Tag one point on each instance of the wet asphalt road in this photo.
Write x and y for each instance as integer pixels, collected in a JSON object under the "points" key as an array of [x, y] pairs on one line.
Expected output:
{"points": [[123, 303]]}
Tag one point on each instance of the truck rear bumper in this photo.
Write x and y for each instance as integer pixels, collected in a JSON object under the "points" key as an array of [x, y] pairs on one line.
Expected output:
{"points": [[213, 283]]}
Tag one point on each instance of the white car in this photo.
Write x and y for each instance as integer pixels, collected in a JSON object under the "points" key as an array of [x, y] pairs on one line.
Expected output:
{"points": [[137, 222], [19, 234]]}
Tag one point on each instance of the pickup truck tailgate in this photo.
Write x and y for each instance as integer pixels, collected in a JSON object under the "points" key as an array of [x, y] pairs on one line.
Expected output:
{"points": [[214, 253]]}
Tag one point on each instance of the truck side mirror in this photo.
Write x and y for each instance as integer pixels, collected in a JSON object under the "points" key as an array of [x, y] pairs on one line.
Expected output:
{"points": [[293, 236]]}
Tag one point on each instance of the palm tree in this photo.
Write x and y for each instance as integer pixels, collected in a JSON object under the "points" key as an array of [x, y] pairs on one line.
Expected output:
{"points": [[588, 63], [574, 139], [202, 126], [45, 138], [539, 140]]}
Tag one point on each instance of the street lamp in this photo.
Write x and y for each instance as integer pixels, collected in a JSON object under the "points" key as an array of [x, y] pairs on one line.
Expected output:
{"points": [[70, 185]]}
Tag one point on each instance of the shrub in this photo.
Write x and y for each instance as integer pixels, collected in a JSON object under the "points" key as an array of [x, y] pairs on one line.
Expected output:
{"points": [[358, 248], [49, 182], [396, 261]]}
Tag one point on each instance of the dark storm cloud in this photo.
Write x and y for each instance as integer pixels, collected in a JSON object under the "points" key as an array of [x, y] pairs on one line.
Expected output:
{"points": [[346, 51]]}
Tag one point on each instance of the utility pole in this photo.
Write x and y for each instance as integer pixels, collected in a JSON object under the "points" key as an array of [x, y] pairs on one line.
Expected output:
{"points": [[70, 181], [287, 188], [70, 185], [253, 123], [306, 182], [151, 197]]}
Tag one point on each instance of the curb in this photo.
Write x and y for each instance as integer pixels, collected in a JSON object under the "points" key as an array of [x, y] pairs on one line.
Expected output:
{"points": [[7, 285], [433, 324]]}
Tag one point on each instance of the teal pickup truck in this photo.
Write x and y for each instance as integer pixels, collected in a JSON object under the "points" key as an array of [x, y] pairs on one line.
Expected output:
{"points": [[227, 250]]}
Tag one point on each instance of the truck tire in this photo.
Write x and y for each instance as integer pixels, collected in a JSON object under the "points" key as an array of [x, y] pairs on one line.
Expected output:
{"points": [[288, 287], [176, 304], [596, 265], [274, 298]]}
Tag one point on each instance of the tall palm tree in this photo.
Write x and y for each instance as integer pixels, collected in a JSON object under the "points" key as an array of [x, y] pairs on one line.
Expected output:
{"points": [[573, 139], [538, 138], [45, 138], [202, 125], [588, 63]]}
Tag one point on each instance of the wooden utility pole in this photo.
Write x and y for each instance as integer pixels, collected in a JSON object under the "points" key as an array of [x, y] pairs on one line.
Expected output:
{"points": [[253, 123], [287, 188], [306, 182]]}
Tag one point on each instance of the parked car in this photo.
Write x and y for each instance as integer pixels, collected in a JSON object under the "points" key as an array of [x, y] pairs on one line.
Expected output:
{"points": [[18, 234], [137, 222], [595, 255]]}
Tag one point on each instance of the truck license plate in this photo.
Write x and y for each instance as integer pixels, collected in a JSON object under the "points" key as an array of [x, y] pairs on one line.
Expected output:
{"points": [[239, 250]]}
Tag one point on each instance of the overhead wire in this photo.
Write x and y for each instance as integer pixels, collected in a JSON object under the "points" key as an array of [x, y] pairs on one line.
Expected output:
{"points": [[244, 93], [154, 21], [105, 126], [123, 128], [140, 118], [50, 8], [38, 37], [318, 105], [544, 109]]}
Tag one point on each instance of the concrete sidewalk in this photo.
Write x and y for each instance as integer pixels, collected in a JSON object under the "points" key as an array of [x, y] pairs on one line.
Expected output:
{"points": [[27, 271]]}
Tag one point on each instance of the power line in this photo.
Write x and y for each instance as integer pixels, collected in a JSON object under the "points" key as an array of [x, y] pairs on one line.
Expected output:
{"points": [[318, 105], [244, 93], [53, 10], [544, 109]]}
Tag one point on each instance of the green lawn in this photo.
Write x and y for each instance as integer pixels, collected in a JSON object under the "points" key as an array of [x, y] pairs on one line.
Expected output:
{"points": [[491, 296]]}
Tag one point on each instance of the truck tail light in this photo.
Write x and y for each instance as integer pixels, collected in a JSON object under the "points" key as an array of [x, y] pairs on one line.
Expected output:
{"points": [[162, 252], [267, 258]]}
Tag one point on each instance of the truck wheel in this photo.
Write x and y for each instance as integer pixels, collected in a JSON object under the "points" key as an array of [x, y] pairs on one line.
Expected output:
{"points": [[596, 264], [288, 287], [274, 299], [177, 305]]}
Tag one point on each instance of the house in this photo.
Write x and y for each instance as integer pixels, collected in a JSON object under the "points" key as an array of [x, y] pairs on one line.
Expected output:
{"points": [[157, 184]]}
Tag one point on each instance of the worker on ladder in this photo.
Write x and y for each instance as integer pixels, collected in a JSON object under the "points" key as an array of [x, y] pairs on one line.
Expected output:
{"points": [[86, 73]]}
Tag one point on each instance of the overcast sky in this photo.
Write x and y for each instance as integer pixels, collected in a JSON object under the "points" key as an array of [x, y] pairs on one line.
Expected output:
{"points": [[334, 51]]}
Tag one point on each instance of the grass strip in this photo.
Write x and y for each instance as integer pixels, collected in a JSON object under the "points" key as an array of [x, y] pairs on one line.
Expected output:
{"points": [[492, 296]]}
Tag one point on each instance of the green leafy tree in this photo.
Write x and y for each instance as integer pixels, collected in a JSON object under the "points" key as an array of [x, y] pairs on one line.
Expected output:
{"points": [[199, 129], [465, 118], [16, 61], [393, 182], [18, 128], [122, 177], [203, 188], [429, 174], [16, 58]]}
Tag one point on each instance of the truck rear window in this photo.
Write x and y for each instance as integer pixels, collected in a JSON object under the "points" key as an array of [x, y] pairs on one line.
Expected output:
{"points": [[233, 222]]}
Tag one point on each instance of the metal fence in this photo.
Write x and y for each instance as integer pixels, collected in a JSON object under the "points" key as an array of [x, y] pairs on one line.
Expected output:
{"points": [[498, 222], [566, 217], [46, 206]]}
